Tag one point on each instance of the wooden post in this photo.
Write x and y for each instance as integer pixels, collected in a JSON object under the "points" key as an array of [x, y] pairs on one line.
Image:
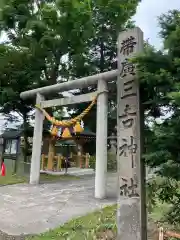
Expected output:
{"points": [[161, 234], [51, 155], [42, 161], [46, 162], [79, 159], [50, 161], [55, 163], [131, 190], [87, 160]]}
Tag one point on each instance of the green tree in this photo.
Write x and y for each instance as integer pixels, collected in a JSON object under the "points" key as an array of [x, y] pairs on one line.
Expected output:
{"points": [[50, 29], [66, 39], [18, 73], [159, 74], [39, 35], [108, 19]]}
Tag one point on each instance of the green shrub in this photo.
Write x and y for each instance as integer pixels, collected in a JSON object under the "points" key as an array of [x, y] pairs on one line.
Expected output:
{"points": [[111, 162], [92, 162]]}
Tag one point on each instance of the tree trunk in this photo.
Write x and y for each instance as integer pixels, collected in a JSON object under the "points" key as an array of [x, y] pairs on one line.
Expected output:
{"points": [[25, 128], [102, 48]]}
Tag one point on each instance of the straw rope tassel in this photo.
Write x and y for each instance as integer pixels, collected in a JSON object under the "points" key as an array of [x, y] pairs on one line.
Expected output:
{"points": [[66, 133], [54, 131], [78, 128], [70, 122]]}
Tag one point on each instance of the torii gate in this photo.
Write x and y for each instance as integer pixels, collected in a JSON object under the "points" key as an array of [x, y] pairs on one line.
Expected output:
{"points": [[131, 195]]}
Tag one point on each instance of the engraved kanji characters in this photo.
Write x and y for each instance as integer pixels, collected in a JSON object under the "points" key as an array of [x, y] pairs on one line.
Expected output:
{"points": [[128, 117], [128, 89], [126, 148], [133, 189], [124, 187], [128, 190], [127, 45], [127, 68]]}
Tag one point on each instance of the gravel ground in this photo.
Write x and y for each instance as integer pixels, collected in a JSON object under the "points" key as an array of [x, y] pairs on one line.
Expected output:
{"points": [[52, 204], [4, 236], [152, 233]]}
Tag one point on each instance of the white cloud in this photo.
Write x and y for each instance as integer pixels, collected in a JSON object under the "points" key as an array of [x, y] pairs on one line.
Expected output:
{"points": [[147, 17]]}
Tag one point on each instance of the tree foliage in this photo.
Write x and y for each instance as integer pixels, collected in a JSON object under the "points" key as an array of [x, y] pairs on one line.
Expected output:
{"points": [[53, 41], [108, 19], [159, 74], [58, 41]]}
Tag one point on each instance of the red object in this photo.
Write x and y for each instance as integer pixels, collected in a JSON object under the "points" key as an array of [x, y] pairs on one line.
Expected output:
{"points": [[3, 170]]}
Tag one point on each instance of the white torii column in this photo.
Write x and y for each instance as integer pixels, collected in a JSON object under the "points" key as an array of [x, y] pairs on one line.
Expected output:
{"points": [[101, 140], [37, 140]]}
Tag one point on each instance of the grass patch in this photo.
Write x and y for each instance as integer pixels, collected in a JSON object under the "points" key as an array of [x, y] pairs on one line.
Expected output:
{"points": [[97, 225], [10, 179], [44, 177]]}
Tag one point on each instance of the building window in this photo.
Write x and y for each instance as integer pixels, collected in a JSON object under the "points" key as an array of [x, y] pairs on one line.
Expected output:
{"points": [[11, 146]]}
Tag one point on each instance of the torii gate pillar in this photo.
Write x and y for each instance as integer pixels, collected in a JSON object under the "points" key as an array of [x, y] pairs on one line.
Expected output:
{"points": [[37, 140], [101, 140]]}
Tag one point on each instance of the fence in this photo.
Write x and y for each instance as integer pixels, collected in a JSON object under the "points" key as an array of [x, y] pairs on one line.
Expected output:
{"points": [[80, 160], [167, 234], [55, 163]]}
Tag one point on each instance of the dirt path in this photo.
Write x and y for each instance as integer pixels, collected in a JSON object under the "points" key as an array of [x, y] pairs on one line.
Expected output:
{"points": [[34, 209]]}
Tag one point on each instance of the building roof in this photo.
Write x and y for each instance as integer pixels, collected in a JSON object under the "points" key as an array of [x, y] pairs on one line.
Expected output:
{"points": [[11, 134], [87, 132], [16, 133]]}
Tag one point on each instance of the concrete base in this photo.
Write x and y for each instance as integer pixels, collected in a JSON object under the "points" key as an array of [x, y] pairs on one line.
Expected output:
{"points": [[71, 171]]}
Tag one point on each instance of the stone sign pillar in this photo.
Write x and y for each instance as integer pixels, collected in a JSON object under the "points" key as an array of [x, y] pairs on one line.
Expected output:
{"points": [[131, 208]]}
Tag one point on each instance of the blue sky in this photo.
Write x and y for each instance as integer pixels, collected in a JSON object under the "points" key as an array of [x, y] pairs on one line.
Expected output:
{"points": [[146, 18], [147, 14]]}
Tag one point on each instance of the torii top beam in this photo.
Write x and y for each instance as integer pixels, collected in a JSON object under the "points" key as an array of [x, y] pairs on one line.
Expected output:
{"points": [[70, 85]]}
